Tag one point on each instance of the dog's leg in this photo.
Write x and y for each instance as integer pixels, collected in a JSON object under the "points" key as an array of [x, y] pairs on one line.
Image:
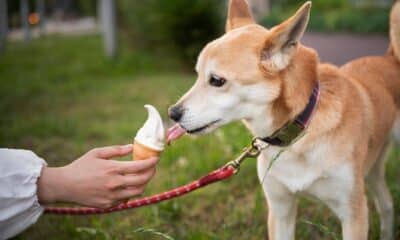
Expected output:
{"points": [[381, 195], [282, 210], [348, 204], [281, 224], [355, 221]]}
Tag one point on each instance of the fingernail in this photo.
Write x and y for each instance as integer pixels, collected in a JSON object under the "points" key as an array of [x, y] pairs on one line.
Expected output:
{"points": [[128, 145]]}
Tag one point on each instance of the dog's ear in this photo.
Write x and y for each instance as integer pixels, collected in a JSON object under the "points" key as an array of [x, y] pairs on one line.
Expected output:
{"points": [[283, 40], [239, 15]]}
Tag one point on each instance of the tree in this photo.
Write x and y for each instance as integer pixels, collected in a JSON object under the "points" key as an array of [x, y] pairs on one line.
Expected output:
{"points": [[108, 26], [3, 24], [24, 8]]}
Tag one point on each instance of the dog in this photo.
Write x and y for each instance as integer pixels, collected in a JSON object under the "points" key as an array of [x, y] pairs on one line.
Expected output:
{"points": [[267, 79]]}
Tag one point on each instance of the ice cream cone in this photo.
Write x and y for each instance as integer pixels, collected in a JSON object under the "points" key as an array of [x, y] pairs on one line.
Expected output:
{"points": [[142, 152], [149, 140]]}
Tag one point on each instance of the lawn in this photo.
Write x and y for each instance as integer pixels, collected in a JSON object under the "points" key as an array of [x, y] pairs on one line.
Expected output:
{"points": [[60, 97]]}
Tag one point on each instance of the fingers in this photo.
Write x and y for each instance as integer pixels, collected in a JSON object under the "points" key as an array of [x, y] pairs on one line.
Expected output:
{"points": [[129, 192], [133, 167], [137, 180], [124, 187], [130, 185], [111, 151], [128, 181]]}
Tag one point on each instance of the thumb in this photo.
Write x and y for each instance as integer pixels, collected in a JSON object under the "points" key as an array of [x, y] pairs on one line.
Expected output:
{"points": [[112, 151]]}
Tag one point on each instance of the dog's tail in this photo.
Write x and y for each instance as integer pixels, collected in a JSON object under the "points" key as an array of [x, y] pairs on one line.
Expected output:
{"points": [[395, 30]]}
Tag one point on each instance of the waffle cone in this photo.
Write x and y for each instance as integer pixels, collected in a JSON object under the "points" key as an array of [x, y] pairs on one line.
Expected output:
{"points": [[141, 152]]}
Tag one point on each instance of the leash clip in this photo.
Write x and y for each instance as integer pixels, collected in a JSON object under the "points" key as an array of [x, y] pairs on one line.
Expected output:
{"points": [[252, 151]]}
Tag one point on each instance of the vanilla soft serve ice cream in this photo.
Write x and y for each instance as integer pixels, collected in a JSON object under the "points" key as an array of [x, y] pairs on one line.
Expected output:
{"points": [[152, 133], [150, 139]]}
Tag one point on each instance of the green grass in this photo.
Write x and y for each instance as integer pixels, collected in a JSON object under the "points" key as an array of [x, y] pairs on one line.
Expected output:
{"points": [[60, 97]]}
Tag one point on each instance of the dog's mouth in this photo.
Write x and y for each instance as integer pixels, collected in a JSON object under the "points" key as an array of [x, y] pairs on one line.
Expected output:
{"points": [[200, 129], [177, 130]]}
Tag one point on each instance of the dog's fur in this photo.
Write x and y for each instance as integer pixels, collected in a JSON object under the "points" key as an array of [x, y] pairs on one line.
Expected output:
{"points": [[269, 78]]}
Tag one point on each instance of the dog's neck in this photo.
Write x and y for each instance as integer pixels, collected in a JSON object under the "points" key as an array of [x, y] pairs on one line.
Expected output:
{"points": [[260, 125], [298, 81]]}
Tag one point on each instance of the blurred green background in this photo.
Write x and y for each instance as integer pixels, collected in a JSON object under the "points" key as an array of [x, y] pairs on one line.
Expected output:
{"points": [[336, 15], [61, 96]]}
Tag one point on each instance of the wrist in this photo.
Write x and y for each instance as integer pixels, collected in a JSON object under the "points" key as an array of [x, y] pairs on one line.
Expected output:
{"points": [[49, 188]]}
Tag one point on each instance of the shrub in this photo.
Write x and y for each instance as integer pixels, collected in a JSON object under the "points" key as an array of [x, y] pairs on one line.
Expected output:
{"points": [[179, 26], [357, 20]]}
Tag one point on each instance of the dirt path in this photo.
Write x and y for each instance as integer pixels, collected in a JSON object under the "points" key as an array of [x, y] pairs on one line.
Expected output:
{"points": [[340, 48]]}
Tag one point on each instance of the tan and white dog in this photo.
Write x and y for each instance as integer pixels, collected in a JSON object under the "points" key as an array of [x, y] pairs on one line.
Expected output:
{"points": [[265, 78]]}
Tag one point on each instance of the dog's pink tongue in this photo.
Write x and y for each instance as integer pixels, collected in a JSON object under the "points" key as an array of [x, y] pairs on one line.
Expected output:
{"points": [[174, 133]]}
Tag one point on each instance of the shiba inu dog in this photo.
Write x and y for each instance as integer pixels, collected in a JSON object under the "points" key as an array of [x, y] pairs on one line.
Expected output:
{"points": [[269, 80]]}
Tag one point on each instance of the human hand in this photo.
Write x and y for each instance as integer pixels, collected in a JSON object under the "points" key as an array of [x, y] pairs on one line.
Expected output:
{"points": [[94, 180]]}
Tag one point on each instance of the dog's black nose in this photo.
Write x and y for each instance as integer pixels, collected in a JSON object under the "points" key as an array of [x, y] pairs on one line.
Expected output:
{"points": [[175, 112]]}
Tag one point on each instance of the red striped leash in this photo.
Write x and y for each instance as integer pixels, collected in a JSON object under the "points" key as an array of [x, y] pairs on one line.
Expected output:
{"points": [[225, 172]]}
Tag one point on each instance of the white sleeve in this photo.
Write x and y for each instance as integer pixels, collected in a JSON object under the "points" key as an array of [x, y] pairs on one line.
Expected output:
{"points": [[19, 206]]}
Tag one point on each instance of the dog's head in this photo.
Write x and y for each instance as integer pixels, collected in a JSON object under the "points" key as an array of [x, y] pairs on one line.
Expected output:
{"points": [[244, 74]]}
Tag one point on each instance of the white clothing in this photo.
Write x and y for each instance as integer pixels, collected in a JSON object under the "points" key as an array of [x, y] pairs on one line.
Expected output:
{"points": [[19, 206]]}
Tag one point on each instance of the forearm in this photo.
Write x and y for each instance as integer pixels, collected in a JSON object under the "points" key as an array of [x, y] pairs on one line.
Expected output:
{"points": [[51, 185]]}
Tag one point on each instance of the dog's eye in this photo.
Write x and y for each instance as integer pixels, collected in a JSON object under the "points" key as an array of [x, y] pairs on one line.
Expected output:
{"points": [[217, 81]]}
